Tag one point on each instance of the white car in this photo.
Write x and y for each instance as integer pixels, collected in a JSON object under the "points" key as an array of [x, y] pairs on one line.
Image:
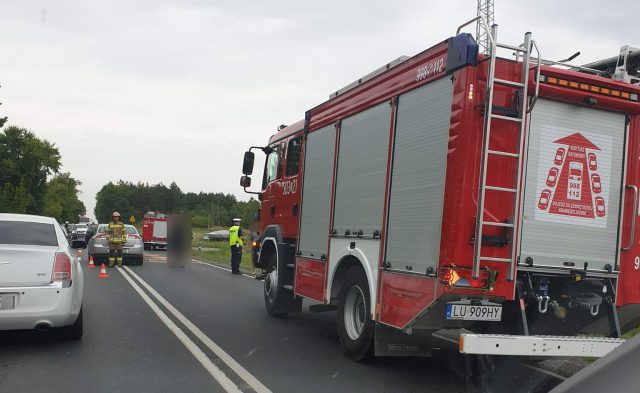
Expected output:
{"points": [[216, 235], [41, 281]]}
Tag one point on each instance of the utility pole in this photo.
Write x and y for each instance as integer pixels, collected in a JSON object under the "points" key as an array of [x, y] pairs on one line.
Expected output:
{"points": [[485, 9]]}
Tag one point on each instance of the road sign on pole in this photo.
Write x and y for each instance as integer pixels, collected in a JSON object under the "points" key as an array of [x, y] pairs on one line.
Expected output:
{"points": [[132, 219]]}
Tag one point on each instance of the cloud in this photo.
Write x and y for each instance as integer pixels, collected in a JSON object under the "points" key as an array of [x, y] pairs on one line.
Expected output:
{"points": [[177, 90]]}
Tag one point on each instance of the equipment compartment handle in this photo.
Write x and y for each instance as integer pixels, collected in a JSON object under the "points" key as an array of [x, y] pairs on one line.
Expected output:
{"points": [[633, 221]]}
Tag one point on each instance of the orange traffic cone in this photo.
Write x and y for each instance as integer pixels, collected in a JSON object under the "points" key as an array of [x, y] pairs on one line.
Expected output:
{"points": [[103, 272], [91, 264]]}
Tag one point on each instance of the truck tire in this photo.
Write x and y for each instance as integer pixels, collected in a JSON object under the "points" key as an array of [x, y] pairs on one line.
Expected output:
{"points": [[355, 327], [75, 331], [271, 290]]}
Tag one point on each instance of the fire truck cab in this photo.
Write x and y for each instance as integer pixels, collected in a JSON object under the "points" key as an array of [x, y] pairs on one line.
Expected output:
{"points": [[450, 194]]}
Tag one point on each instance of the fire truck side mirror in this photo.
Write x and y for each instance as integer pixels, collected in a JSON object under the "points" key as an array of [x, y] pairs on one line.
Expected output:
{"points": [[245, 181], [247, 165]]}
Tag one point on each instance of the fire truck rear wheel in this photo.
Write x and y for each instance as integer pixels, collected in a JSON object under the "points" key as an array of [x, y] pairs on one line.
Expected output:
{"points": [[271, 290], [355, 327]]}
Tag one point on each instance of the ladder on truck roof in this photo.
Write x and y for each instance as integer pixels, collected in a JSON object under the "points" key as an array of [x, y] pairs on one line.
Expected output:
{"points": [[523, 55]]}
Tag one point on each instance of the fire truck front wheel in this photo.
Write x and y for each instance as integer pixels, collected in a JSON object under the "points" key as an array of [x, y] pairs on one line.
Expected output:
{"points": [[355, 326], [272, 293]]}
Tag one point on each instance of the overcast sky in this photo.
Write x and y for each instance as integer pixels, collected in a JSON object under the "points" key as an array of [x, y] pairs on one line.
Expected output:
{"points": [[176, 90]]}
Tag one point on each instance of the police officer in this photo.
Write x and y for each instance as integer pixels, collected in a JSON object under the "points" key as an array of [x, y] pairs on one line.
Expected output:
{"points": [[235, 242], [116, 236]]}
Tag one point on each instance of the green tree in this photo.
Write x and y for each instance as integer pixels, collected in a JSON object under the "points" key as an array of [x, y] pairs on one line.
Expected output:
{"points": [[25, 163], [115, 197], [204, 208], [61, 198], [14, 199]]}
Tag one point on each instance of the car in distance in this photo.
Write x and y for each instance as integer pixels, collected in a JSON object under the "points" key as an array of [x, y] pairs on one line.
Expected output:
{"points": [[222, 234], [132, 251], [70, 229], [80, 230], [90, 232], [41, 279]]}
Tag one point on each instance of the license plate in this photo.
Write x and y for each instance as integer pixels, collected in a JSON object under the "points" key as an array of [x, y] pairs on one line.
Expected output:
{"points": [[7, 302], [469, 312]]}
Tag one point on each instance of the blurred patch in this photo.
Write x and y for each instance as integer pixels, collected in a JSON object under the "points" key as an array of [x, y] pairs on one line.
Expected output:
{"points": [[179, 240]]}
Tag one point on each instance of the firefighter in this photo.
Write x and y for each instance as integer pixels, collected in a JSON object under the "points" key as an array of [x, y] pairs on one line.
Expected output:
{"points": [[235, 242], [116, 236]]}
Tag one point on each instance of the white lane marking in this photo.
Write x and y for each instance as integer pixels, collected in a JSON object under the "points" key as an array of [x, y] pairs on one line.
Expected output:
{"points": [[225, 357], [217, 267], [215, 372], [543, 371]]}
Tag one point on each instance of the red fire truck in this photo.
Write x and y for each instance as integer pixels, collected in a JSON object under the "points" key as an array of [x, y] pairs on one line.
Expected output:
{"points": [[154, 230], [417, 203]]}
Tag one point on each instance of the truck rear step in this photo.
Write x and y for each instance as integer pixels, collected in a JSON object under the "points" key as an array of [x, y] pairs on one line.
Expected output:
{"points": [[503, 344]]}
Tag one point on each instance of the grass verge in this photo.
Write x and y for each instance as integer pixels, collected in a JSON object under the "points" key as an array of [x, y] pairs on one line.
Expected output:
{"points": [[222, 254], [631, 333]]}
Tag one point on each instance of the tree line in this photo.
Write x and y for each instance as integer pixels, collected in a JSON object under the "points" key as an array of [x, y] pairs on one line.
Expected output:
{"points": [[30, 178], [206, 209]]}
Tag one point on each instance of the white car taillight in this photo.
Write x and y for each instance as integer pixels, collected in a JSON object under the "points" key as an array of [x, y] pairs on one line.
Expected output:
{"points": [[61, 268]]}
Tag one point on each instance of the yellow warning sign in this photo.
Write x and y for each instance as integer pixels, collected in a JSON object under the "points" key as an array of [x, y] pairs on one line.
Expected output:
{"points": [[132, 219]]}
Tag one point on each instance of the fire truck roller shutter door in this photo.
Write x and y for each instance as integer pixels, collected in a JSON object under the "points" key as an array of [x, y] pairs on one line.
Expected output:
{"points": [[418, 177], [359, 191], [316, 195], [362, 162], [575, 221]]}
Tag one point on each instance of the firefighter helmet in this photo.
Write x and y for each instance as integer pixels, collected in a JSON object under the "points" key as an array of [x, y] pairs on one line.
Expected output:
{"points": [[115, 214]]}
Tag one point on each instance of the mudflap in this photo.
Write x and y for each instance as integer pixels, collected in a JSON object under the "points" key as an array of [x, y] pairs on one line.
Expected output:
{"points": [[287, 301], [389, 341]]}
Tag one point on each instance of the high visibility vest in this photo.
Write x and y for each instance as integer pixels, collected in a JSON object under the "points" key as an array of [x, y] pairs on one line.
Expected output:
{"points": [[233, 236], [116, 233]]}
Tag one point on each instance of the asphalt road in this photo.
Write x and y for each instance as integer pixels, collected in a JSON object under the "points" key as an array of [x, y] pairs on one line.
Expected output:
{"points": [[158, 328]]}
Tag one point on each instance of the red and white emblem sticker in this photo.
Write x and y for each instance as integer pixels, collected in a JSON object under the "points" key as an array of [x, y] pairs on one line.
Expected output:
{"points": [[573, 177]]}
